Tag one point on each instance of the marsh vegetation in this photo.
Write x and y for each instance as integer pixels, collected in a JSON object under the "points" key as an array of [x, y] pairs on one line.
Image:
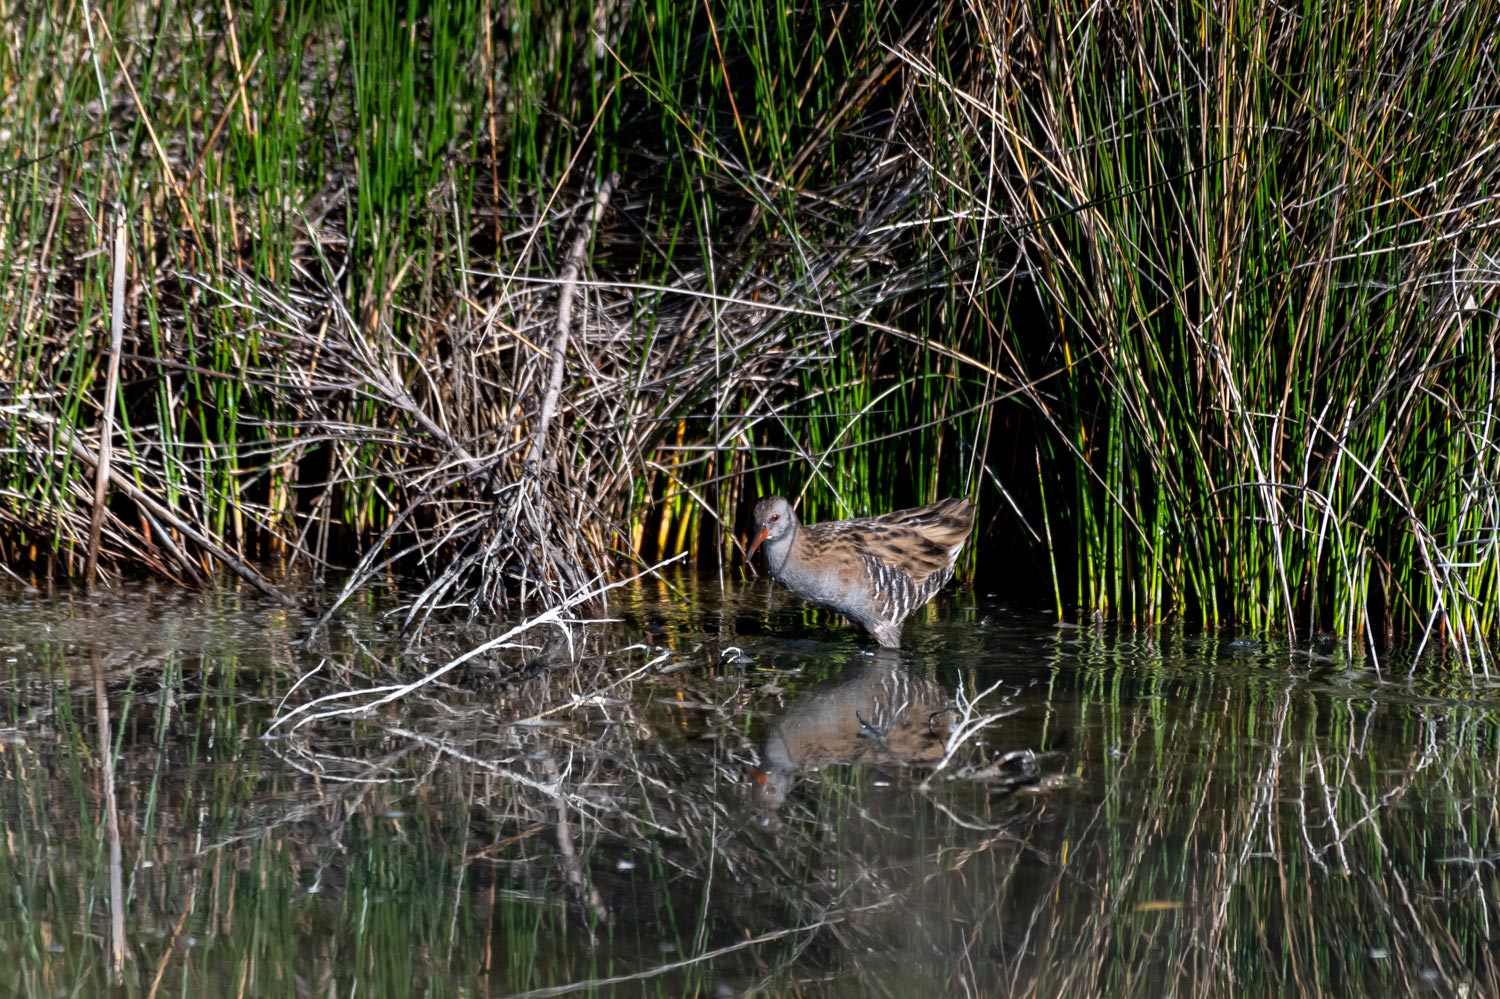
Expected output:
{"points": [[1198, 303], [380, 369]]}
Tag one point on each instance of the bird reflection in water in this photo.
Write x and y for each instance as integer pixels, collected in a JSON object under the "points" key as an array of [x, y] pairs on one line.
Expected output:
{"points": [[875, 712]]}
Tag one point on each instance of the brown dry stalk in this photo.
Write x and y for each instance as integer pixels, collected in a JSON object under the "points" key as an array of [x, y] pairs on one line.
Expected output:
{"points": [[565, 294], [111, 393]]}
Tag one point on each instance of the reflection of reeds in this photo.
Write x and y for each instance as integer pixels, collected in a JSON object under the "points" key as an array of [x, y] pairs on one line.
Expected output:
{"points": [[1211, 825]]}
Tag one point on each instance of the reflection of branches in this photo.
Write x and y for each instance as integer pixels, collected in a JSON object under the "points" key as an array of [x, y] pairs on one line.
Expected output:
{"points": [[567, 851], [628, 750], [594, 984], [384, 695], [966, 726]]}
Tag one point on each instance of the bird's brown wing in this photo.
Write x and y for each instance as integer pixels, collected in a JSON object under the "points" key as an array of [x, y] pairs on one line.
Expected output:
{"points": [[923, 540]]}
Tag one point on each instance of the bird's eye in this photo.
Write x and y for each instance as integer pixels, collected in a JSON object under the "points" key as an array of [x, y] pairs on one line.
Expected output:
{"points": [[775, 517]]}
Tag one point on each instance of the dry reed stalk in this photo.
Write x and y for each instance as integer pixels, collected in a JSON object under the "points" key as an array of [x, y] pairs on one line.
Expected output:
{"points": [[111, 393], [565, 294]]}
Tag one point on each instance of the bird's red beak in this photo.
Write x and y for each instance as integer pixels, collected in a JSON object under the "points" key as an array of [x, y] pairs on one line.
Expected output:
{"points": [[760, 536]]}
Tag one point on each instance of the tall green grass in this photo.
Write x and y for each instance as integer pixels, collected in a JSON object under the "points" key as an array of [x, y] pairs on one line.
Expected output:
{"points": [[1260, 244], [1198, 303], [273, 165]]}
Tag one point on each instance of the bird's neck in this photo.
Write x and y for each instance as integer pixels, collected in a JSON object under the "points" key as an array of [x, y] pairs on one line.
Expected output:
{"points": [[779, 551]]}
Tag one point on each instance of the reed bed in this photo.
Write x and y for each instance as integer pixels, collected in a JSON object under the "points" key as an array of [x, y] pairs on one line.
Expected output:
{"points": [[1269, 279], [1198, 303]]}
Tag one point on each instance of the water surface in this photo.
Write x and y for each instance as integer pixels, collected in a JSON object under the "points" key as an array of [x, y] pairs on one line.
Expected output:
{"points": [[724, 794]]}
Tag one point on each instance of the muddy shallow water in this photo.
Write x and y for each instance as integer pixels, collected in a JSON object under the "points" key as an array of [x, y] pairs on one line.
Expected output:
{"points": [[721, 793]]}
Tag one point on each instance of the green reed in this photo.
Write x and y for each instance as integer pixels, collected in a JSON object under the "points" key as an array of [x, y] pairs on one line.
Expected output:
{"points": [[1197, 303], [222, 158], [1264, 333]]}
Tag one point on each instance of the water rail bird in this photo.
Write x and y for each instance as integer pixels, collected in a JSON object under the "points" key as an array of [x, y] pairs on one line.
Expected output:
{"points": [[875, 570]]}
